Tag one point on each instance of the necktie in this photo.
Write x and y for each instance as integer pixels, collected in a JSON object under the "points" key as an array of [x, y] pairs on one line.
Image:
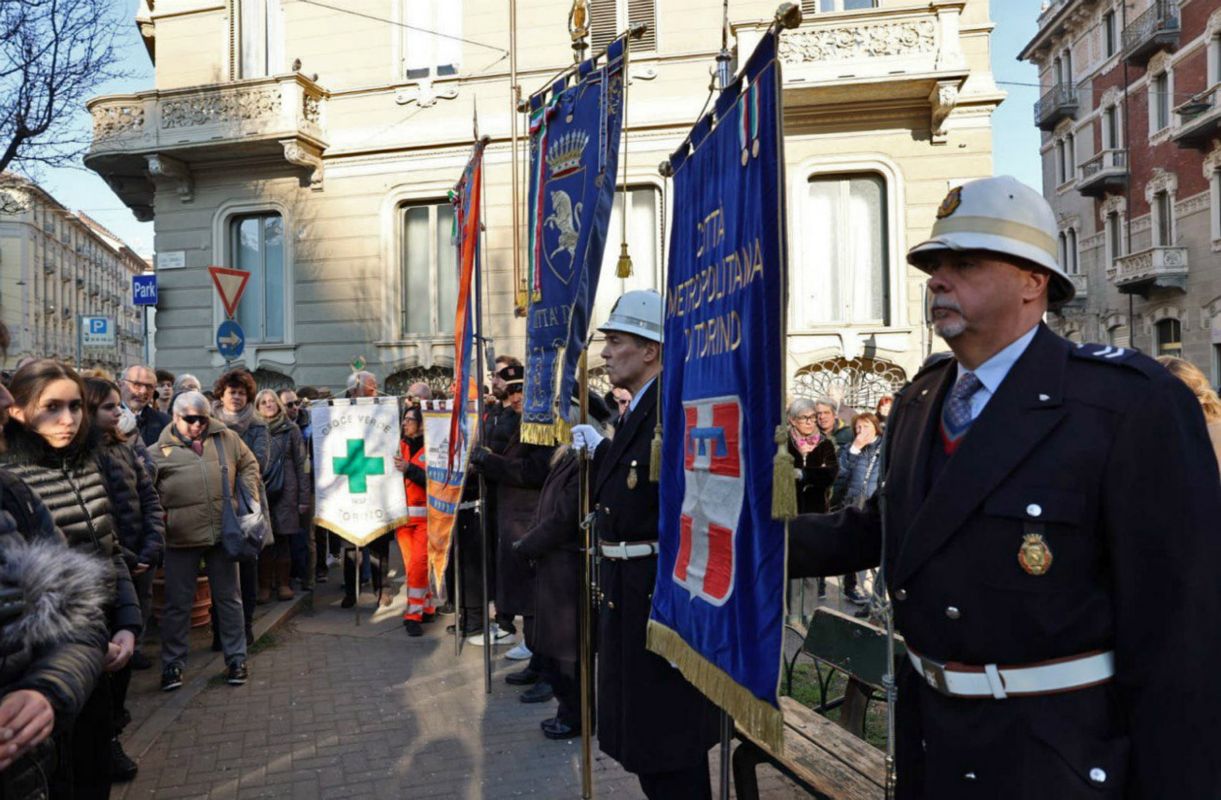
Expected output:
{"points": [[956, 415]]}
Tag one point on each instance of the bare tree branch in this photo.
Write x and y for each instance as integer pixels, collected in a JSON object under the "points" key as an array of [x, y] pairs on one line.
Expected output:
{"points": [[53, 56]]}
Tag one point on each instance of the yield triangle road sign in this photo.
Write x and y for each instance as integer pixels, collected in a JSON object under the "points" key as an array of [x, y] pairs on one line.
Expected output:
{"points": [[230, 285]]}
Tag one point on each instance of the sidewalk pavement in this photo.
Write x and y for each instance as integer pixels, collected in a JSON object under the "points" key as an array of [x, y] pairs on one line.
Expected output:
{"points": [[339, 710]]}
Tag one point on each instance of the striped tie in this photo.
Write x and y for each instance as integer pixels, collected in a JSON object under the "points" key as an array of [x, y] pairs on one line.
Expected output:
{"points": [[956, 415]]}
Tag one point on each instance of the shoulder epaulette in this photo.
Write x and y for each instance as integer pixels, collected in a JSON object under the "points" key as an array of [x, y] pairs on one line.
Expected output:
{"points": [[1125, 356]]}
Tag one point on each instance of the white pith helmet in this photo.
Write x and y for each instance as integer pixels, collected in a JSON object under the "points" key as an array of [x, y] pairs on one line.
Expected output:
{"points": [[1000, 215], [638, 312]]}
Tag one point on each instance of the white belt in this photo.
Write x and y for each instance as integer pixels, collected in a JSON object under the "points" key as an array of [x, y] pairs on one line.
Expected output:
{"points": [[626, 551], [989, 680], [417, 511]]}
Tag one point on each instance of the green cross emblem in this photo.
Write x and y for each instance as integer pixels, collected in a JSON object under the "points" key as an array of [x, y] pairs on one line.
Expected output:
{"points": [[356, 466]]}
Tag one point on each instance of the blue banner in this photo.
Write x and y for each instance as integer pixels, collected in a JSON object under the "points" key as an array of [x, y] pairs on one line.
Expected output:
{"points": [[718, 605], [574, 151]]}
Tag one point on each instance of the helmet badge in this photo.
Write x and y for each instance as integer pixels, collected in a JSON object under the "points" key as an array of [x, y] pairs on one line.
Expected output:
{"points": [[950, 204]]}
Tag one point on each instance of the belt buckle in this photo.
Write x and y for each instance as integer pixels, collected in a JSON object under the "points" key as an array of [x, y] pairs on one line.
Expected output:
{"points": [[934, 673]]}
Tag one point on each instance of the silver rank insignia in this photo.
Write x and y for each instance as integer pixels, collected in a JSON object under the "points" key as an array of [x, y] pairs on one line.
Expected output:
{"points": [[1034, 555], [631, 475]]}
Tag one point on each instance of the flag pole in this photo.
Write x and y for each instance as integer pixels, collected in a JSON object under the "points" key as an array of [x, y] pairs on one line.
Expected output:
{"points": [[586, 655], [479, 409], [457, 556]]}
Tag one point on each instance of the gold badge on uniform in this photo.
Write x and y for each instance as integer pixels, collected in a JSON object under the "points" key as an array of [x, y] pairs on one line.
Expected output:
{"points": [[950, 204], [1034, 555], [631, 475], [165, 450]]}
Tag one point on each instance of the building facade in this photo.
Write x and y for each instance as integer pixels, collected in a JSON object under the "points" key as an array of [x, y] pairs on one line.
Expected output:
{"points": [[1131, 115], [314, 145], [55, 267]]}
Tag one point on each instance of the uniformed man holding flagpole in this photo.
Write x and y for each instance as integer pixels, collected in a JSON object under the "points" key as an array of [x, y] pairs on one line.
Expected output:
{"points": [[650, 719], [1051, 540]]}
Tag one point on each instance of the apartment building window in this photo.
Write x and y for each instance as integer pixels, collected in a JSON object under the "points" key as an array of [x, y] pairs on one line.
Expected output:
{"points": [[1114, 236], [1068, 251], [644, 236], [429, 269], [1057, 71], [1159, 101], [432, 46], [1061, 163], [1111, 139], [257, 246], [1214, 60], [1169, 338], [1214, 185], [261, 38], [1070, 152], [1108, 33], [609, 18], [1163, 219], [843, 275]]}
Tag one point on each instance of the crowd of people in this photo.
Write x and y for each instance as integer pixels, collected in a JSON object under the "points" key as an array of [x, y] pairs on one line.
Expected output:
{"points": [[109, 486]]}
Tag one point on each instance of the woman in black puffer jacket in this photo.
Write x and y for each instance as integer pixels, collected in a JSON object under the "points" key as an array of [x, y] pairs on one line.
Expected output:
{"points": [[52, 450], [129, 473]]}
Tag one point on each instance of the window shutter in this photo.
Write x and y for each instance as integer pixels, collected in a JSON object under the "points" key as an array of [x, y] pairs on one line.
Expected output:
{"points": [[643, 11], [603, 21], [809, 8]]}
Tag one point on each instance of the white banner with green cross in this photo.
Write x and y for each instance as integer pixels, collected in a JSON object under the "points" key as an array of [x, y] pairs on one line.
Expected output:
{"points": [[358, 493]]}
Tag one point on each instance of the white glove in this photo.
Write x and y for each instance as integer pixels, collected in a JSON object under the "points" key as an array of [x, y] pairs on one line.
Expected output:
{"points": [[586, 437]]}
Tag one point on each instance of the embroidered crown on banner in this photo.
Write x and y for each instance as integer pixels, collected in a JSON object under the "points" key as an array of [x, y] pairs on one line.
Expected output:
{"points": [[564, 155]]}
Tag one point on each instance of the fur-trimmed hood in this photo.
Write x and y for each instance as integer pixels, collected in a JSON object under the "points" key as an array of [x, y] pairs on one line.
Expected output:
{"points": [[27, 447], [66, 591]]}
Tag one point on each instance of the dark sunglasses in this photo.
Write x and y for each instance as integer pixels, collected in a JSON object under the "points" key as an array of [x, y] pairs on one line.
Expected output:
{"points": [[195, 419], [293, 404]]}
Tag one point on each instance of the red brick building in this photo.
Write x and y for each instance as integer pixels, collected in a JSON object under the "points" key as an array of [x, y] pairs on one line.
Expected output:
{"points": [[1131, 115]]}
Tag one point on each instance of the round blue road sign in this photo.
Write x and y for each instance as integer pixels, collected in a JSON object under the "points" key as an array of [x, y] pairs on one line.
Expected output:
{"points": [[230, 340]]}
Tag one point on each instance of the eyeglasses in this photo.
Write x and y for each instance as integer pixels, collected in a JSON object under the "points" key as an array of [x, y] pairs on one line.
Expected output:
{"points": [[139, 385], [806, 418], [293, 404], [195, 419]]}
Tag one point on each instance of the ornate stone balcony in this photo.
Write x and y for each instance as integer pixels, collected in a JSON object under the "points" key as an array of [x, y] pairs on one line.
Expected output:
{"points": [[1155, 29], [1105, 172], [1060, 102], [1199, 120], [1155, 268], [162, 135], [1082, 286], [884, 54]]}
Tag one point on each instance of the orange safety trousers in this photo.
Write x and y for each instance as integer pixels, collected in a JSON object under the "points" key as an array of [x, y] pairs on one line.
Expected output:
{"points": [[413, 544]]}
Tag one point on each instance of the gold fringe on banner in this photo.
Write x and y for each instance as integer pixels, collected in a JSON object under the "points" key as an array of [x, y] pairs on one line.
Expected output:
{"points": [[540, 433], [784, 485], [758, 718]]}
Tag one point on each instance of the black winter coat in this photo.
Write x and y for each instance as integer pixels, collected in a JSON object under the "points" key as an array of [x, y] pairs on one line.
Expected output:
{"points": [[285, 442], [650, 719], [1099, 458], [56, 647], [150, 422], [134, 502], [70, 484], [515, 476], [553, 545], [814, 473]]}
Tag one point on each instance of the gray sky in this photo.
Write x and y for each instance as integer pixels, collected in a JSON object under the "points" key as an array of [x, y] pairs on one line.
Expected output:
{"points": [[1015, 138]]}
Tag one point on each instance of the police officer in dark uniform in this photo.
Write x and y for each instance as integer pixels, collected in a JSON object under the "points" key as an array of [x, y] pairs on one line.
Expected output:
{"points": [[1052, 540], [650, 719]]}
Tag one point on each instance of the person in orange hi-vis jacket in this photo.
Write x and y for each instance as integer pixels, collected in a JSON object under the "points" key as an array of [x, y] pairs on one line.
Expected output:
{"points": [[413, 537]]}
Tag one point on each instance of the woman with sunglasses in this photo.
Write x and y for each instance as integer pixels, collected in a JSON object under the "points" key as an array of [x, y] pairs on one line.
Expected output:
{"points": [[53, 448], [288, 490], [189, 475]]}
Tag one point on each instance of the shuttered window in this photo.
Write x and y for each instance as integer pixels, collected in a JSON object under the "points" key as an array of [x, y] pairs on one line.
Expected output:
{"points": [[609, 18]]}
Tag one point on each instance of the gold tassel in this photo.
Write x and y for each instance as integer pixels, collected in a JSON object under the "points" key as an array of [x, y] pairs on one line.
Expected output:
{"points": [[563, 431], [539, 433], [655, 455], [784, 485], [624, 268]]}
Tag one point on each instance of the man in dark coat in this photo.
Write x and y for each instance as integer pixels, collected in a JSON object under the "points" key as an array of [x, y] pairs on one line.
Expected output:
{"points": [[515, 472], [1034, 490], [650, 719], [138, 385]]}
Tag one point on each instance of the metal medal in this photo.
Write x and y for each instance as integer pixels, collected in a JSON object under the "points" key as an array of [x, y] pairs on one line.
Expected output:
{"points": [[1034, 555], [631, 475]]}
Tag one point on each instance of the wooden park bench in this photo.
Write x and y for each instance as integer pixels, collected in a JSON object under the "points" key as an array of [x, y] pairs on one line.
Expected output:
{"points": [[830, 759]]}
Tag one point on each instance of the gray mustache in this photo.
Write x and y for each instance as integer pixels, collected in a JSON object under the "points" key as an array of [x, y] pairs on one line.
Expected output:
{"points": [[946, 304]]}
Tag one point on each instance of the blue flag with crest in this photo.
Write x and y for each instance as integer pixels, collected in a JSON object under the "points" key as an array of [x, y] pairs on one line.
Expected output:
{"points": [[574, 150], [718, 603]]}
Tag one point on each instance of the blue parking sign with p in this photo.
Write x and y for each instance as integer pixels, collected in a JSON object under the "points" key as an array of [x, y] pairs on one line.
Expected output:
{"points": [[144, 290], [98, 325]]}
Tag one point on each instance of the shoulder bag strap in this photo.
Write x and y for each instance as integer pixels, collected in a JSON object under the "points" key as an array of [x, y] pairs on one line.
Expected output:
{"points": [[224, 469]]}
